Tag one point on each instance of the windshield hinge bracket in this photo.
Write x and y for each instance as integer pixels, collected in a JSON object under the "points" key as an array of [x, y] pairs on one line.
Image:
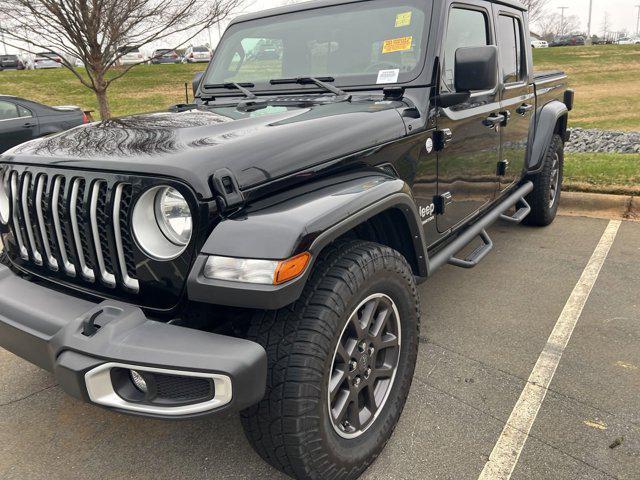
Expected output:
{"points": [[228, 193]]}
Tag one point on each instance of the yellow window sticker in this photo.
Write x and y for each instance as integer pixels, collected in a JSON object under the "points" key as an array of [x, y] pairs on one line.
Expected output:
{"points": [[403, 19], [402, 44]]}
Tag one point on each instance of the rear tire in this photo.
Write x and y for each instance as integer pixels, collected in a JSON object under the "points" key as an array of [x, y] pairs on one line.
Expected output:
{"points": [[547, 186], [295, 427]]}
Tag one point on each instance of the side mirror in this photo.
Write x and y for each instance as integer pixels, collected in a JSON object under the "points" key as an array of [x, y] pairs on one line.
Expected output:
{"points": [[197, 78], [476, 68]]}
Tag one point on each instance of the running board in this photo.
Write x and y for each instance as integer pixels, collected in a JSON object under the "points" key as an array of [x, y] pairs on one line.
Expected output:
{"points": [[448, 254], [524, 209], [477, 255]]}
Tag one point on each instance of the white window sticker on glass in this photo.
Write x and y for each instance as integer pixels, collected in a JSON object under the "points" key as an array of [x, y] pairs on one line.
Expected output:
{"points": [[388, 76]]}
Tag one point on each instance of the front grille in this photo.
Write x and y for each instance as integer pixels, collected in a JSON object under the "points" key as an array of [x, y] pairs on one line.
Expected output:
{"points": [[75, 228], [61, 222]]}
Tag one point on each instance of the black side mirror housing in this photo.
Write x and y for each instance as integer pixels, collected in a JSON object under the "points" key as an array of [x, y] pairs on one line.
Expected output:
{"points": [[476, 68], [197, 78]]}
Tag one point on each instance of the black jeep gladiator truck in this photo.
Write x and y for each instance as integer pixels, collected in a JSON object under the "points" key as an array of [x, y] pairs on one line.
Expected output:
{"points": [[260, 249]]}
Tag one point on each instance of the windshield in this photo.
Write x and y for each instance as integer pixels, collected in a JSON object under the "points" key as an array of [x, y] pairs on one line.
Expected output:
{"points": [[200, 49], [364, 43]]}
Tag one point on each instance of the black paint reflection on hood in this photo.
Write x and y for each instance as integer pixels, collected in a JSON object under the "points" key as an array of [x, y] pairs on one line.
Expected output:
{"points": [[150, 134]]}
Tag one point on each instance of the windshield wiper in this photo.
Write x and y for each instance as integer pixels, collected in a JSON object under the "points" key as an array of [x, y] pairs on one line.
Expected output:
{"points": [[320, 82], [235, 86]]}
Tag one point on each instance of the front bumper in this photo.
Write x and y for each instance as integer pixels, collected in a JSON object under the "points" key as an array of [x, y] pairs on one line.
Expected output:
{"points": [[52, 330]]}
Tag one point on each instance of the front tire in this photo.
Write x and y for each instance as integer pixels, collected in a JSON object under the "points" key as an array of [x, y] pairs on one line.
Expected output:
{"points": [[341, 362], [547, 186]]}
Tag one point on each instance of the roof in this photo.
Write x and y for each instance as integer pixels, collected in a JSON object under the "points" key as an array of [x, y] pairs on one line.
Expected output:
{"points": [[329, 3]]}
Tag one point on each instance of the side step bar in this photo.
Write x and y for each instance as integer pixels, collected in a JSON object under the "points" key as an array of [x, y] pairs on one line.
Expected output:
{"points": [[524, 209], [448, 254]]}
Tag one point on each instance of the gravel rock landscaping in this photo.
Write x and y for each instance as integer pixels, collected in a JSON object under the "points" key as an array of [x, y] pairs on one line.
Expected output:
{"points": [[593, 140]]}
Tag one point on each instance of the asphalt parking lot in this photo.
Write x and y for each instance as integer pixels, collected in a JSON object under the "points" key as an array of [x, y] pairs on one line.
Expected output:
{"points": [[483, 334]]}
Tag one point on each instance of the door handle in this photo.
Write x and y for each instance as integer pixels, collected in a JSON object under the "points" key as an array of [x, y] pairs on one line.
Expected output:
{"points": [[524, 109], [29, 125], [494, 120]]}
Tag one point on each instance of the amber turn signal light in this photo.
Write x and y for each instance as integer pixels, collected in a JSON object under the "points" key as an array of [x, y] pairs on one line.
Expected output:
{"points": [[291, 268]]}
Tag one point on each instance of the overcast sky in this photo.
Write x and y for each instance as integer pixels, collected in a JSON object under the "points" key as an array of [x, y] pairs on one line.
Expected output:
{"points": [[623, 13]]}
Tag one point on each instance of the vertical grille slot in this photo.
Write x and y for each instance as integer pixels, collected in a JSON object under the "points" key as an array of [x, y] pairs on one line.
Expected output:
{"points": [[98, 194], [26, 215], [57, 197], [76, 211], [15, 209], [41, 185], [121, 204]]}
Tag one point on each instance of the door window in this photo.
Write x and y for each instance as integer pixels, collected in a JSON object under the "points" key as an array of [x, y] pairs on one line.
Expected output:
{"points": [[467, 28], [8, 111], [24, 112], [511, 53]]}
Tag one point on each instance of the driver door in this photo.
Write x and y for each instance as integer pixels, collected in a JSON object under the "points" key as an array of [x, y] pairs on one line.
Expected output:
{"points": [[467, 167]]}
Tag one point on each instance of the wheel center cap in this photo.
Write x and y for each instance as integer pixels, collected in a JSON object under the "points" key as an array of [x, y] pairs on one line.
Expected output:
{"points": [[363, 363]]}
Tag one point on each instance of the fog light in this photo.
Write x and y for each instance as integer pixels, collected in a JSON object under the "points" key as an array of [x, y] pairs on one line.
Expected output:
{"points": [[139, 381]]}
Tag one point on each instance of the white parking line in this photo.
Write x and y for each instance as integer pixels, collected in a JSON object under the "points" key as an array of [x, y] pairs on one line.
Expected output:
{"points": [[506, 453]]}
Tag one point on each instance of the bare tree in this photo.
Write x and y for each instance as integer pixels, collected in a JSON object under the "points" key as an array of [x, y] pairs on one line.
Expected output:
{"points": [[95, 31], [536, 8], [551, 26]]}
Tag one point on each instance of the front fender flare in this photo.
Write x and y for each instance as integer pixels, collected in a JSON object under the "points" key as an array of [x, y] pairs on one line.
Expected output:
{"points": [[305, 220]]}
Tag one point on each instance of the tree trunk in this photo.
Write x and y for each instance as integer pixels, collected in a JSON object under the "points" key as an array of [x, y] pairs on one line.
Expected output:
{"points": [[103, 103]]}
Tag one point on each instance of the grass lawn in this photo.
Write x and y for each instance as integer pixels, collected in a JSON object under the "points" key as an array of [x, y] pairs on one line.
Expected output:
{"points": [[606, 80], [602, 173], [146, 88]]}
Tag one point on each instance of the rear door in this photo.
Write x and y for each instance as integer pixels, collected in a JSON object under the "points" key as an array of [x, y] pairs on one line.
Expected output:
{"points": [[518, 97], [17, 125], [467, 166]]}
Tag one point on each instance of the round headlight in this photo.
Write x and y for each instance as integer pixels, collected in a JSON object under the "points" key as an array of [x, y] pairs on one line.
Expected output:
{"points": [[174, 216], [5, 208], [162, 223]]}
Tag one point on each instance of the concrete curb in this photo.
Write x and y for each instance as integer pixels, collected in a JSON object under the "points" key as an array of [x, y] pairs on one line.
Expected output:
{"points": [[597, 205]]}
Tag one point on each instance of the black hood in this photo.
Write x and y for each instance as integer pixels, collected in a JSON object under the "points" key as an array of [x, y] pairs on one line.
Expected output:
{"points": [[257, 146]]}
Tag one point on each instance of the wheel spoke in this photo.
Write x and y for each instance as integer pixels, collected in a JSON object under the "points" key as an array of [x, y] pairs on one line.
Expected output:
{"points": [[343, 353], [388, 340], [371, 398], [341, 408], [367, 316], [335, 383], [381, 322], [383, 372]]}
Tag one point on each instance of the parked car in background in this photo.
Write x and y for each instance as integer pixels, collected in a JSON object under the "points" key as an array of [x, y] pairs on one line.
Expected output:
{"points": [[22, 120], [165, 55], [569, 41], [539, 43], [197, 55], [47, 60], [629, 41], [11, 62], [130, 55]]}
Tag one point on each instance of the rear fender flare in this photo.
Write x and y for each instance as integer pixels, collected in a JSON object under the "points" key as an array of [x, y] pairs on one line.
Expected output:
{"points": [[549, 118]]}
